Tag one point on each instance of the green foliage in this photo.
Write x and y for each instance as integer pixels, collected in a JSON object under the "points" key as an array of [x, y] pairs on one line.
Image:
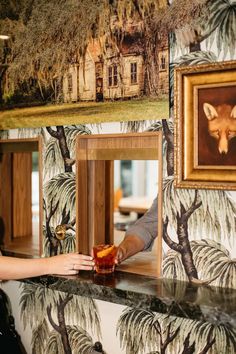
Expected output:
{"points": [[216, 217], [84, 312], [29, 94], [220, 25], [39, 338], [196, 58], [132, 338], [203, 332], [142, 330], [33, 302], [47, 36], [25, 133], [54, 344], [12, 9], [53, 161], [69, 244], [172, 266], [81, 342], [134, 126], [71, 132], [44, 48], [157, 126], [61, 189], [79, 310], [193, 58], [211, 259], [4, 134]]}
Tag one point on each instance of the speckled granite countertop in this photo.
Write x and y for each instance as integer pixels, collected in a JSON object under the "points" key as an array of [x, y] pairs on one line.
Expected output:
{"points": [[160, 295]]}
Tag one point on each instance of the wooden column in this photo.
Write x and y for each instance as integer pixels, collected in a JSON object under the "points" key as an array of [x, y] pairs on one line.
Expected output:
{"points": [[101, 195], [21, 185], [94, 204], [6, 198], [109, 202]]}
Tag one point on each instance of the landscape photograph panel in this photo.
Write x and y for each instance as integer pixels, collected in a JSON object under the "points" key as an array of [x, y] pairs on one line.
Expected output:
{"points": [[74, 62]]}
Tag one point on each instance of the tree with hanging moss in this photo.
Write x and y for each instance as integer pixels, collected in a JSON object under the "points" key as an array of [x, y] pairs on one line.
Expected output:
{"points": [[47, 37]]}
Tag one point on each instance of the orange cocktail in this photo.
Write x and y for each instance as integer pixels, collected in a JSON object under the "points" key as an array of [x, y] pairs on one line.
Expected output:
{"points": [[104, 258]]}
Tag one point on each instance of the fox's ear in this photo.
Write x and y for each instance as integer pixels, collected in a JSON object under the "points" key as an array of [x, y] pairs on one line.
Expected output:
{"points": [[233, 112], [210, 111]]}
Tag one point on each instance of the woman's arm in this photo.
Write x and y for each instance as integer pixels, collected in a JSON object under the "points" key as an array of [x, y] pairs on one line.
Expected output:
{"points": [[64, 264]]}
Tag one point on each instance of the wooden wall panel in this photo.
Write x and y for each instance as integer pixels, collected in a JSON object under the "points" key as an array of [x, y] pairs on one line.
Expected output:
{"points": [[109, 201], [82, 207], [22, 184], [6, 198], [97, 203], [95, 187], [16, 224]]}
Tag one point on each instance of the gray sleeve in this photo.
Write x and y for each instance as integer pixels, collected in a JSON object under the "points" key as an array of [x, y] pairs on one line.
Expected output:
{"points": [[146, 227]]}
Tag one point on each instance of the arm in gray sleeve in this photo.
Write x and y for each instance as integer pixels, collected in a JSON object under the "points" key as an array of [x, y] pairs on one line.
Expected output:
{"points": [[146, 227]]}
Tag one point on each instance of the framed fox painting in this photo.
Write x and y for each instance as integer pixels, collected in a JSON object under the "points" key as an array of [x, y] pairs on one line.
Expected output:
{"points": [[205, 126]]}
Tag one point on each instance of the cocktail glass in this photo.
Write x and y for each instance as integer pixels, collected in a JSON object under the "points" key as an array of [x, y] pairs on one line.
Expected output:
{"points": [[104, 258]]}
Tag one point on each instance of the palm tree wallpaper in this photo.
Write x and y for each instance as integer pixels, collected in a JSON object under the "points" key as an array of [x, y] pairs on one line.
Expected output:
{"points": [[50, 335], [143, 331], [185, 210], [199, 244]]}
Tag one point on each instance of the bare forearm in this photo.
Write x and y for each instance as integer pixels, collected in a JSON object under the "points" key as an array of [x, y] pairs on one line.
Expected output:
{"points": [[63, 264], [131, 245], [17, 268]]}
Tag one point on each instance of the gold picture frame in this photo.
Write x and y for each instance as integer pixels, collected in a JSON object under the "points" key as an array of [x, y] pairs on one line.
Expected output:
{"points": [[205, 129]]}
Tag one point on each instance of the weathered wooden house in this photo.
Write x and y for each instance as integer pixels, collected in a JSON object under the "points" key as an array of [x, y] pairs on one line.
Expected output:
{"points": [[116, 73]]}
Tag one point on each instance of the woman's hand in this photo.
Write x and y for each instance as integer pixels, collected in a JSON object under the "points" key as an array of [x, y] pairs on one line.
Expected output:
{"points": [[69, 264]]}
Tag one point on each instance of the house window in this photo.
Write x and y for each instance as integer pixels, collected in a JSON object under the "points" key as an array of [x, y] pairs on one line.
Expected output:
{"points": [[133, 73], [69, 83], [163, 63], [112, 75], [115, 75]]}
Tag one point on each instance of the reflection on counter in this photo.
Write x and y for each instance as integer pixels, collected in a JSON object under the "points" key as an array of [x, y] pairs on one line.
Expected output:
{"points": [[161, 295]]}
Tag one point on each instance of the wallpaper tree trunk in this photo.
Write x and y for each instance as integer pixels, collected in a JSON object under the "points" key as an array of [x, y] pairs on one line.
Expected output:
{"points": [[183, 247], [59, 134], [61, 327]]}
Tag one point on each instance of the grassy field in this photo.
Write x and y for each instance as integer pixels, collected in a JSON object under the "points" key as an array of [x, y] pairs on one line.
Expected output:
{"points": [[84, 112]]}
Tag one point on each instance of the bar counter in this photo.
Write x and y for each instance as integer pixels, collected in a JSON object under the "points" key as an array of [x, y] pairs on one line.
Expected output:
{"points": [[197, 302]]}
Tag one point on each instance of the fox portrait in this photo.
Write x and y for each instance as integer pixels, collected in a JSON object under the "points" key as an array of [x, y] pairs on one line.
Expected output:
{"points": [[221, 124]]}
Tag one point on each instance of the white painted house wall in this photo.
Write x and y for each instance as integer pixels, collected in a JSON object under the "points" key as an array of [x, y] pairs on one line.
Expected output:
{"points": [[87, 85]]}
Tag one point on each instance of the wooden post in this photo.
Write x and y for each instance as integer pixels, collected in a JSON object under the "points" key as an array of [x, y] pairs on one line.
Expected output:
{"points": [[22, 201], [6, 198]]}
